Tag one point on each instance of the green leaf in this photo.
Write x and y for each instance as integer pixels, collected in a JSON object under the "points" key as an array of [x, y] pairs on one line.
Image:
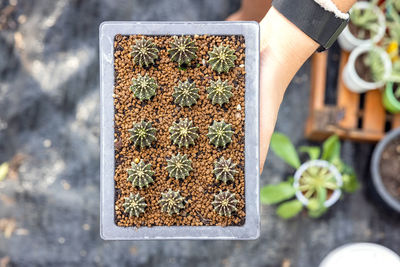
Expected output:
{"points": [[313, 151], [321, 195], [3, 170], [284, 149], [318, 212], [350, 181], [331, 148], [272, 194], [289, 209]]}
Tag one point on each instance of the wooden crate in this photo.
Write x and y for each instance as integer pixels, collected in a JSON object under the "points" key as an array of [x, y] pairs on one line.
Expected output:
{"points": [[346, 118]]}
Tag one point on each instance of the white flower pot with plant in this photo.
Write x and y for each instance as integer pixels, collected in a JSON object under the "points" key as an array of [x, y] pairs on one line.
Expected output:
{"points": [[367, 25], [367, 69]]}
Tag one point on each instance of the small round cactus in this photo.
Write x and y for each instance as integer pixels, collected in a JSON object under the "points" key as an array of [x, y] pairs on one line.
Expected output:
{"points": [[143, 87], [179, 166], [220, 133], [222, 58], [134, 205], [219, 92], [225, 203], [183, 133], [140, 174], [171, 202], [183, 50], [186, 94], [144, 52], [142, 134], [224, 170]]}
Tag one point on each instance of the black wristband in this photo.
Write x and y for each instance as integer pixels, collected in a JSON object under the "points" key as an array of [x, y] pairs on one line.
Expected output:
{"points": [[320, 25]]}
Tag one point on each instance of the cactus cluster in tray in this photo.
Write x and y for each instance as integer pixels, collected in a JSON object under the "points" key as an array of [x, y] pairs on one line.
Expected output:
{"points": [[222, 58], [140, 174], [225, 170], [144, 52], [179, 166], [219, 92], [144, 87], [183, 50], [134, 205], [225, 203], [142, 134], [186, 94], [220, 133], [183, 133], [171, 202]]}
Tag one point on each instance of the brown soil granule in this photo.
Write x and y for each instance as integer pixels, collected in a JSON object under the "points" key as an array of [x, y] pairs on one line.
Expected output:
{"points": [[390, 168], [199, 187]]}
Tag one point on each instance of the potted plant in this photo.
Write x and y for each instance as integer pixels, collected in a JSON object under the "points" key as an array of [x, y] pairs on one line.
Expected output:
{"points": [[391, 93], [385, 169], [368, 68], [178, 101], [367, 25], [317, 183]]}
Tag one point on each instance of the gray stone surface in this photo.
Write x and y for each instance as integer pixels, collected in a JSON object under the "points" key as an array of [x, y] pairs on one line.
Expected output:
{"points": [[49, 113]]}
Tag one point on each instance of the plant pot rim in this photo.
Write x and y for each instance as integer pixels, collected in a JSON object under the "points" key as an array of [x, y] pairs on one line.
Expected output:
{"points": [[251, 228], [320, 163], [375, 170], [390, 94]]}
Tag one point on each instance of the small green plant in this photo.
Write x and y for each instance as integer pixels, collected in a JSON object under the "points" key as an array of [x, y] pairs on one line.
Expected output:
{"points": [[143, 87], [374, 61], [225, 203], [142, 134], [366, 20], [144, 52], [171, 202], [315, 183], [179, 166], [140, 174], [134, 205], [183, 133], [219, 92], [222, 58], [220, 133], [186, 94], [224, 170], [183, 50]]}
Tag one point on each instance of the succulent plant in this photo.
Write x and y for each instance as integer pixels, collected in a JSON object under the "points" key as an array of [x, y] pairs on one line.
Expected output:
{"points": [[219, 92], [144, 52], [183, 133], [224, 170], [171, 202], [143, 87], [366, 20], [220, 133], [186, 94], [140, 174], [222, 58], [183, 50], [179, 166], [142, 134], [225, 203], [134, 205]]}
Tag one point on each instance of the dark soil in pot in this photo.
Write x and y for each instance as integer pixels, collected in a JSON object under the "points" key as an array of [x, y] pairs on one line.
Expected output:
{"points": [[358, 32], [362, 69], [390, 168], [199, 188], [395, 88]]}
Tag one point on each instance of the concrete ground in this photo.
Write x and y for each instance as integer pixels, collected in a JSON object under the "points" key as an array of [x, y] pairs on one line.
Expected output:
{"points": [[49, 130]]}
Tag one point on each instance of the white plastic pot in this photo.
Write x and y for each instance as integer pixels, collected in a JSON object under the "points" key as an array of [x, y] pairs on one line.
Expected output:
{"points": [[349, 42], [350, 76], [324, 164]]}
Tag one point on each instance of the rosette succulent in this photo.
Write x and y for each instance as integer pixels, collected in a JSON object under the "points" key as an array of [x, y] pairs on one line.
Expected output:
{"points": [[183, 133], [222, 58], [134, 205], [225, 203], [143, 87], [224, 170], [183, 50], [186, 94], [171, 202], [144, 52], [179, 166], [140, 174], [219, 92], [142, 134], [220, 133]]}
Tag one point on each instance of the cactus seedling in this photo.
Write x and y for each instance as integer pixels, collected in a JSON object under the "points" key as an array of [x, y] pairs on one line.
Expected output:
{"points": [[220, 133], [366, 20], [134, 205], [224, 170], [219, 92], [186, 94], [140, 174], [183, 50], [144, 52], [142, 134], [183, 133], [143, 87], [225, 203], [179, 166], [222, 58], [171, 202]]}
